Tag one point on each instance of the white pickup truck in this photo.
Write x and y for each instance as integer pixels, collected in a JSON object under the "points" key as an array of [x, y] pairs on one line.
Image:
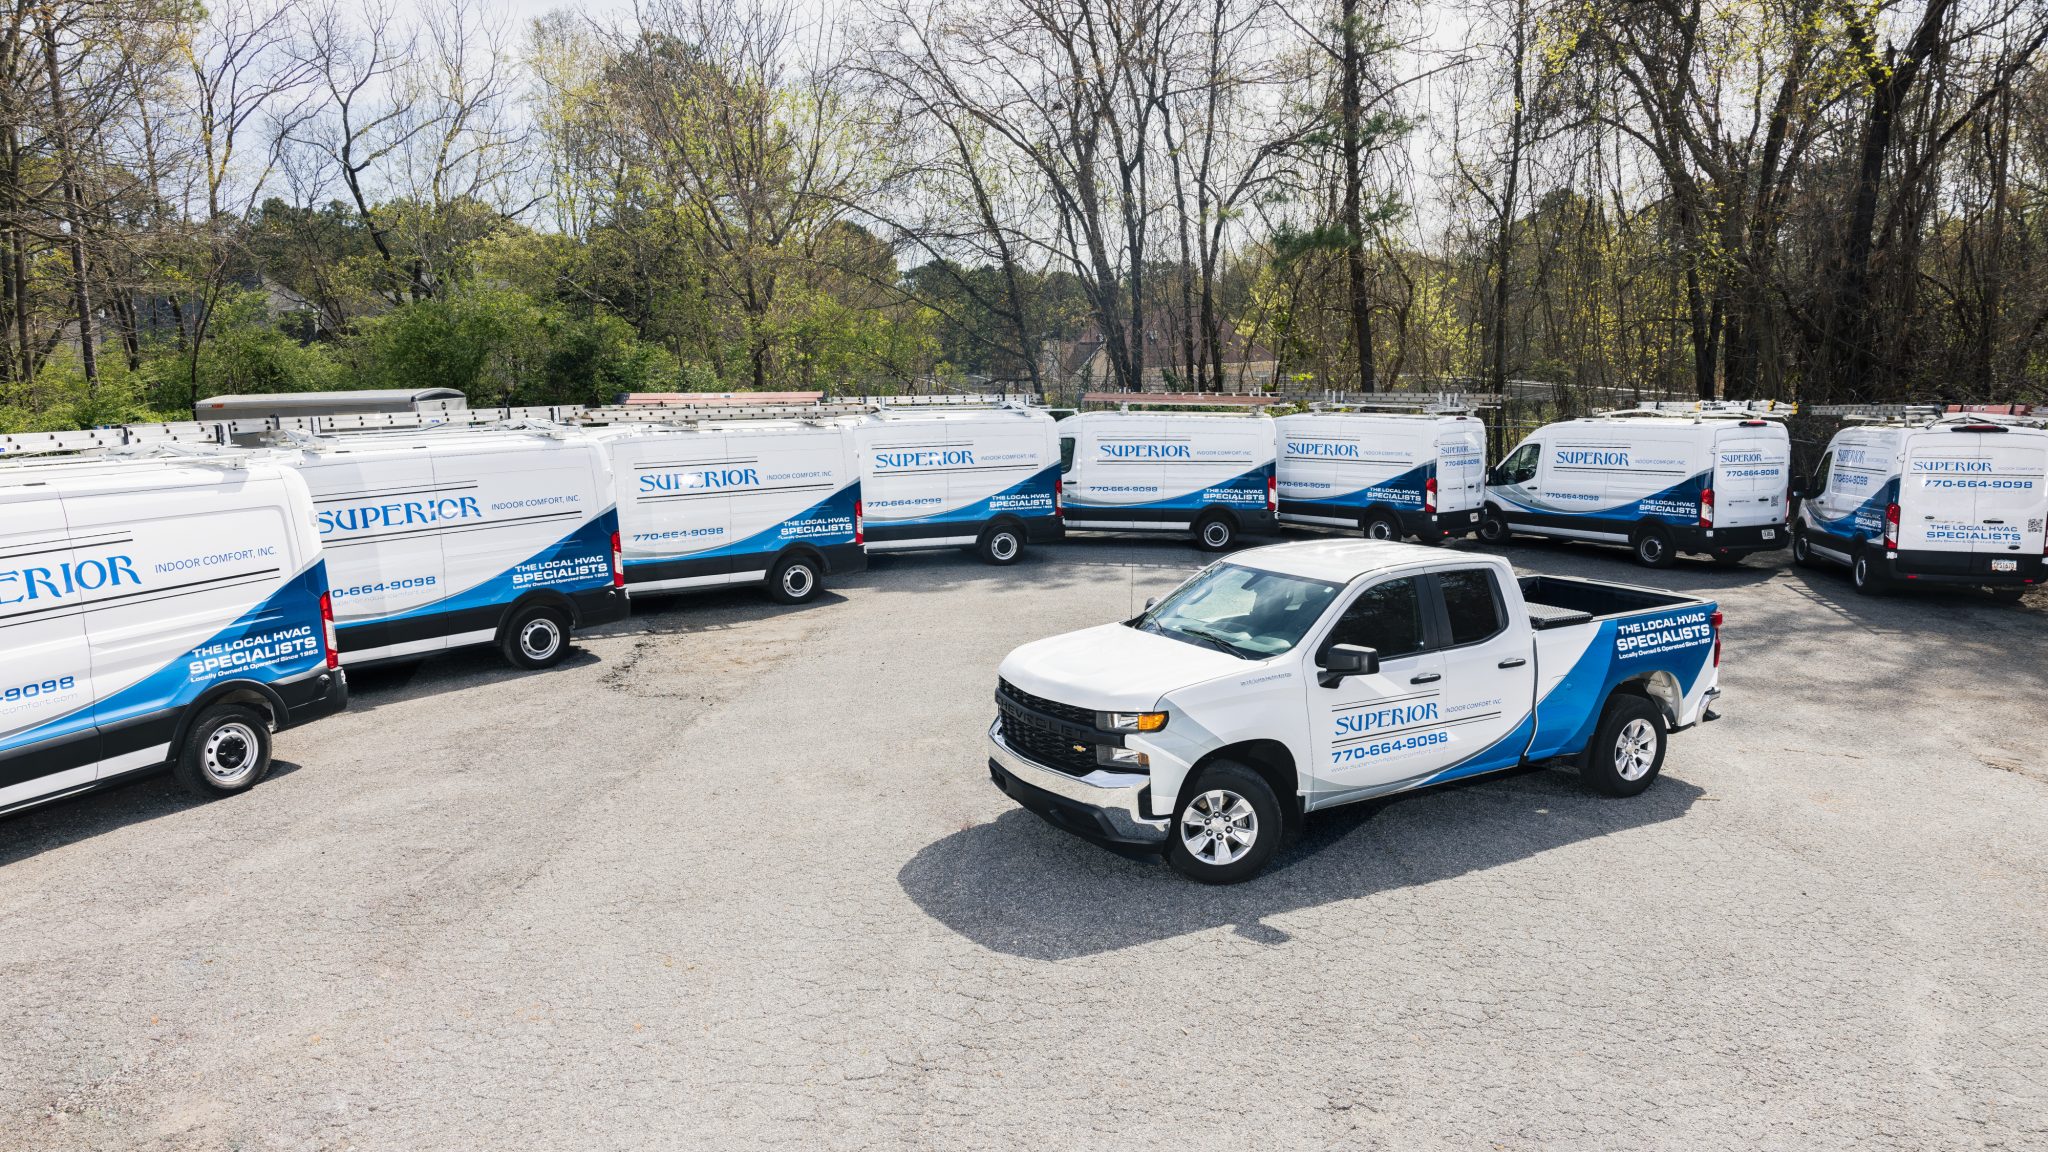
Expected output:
{"points": [[1301, 676]]}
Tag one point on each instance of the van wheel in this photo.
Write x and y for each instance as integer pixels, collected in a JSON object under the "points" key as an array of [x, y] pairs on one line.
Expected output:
{"points": [[795, 581], [1381, 526], [1226, 827], [1493, 528], [1802, 549], [1002, 544], [226, 751], [1652, 545], [535, 638], [1628, 748], [1865, 575], [1214, 533]]}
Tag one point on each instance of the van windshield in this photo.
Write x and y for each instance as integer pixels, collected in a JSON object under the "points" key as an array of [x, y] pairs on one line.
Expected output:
{"points": [[1249, 613]]}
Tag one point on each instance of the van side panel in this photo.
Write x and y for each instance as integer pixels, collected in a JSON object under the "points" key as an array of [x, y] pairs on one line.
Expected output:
{"points": [[942, 479], [705, 508], [48, 673], [1145, 470]]}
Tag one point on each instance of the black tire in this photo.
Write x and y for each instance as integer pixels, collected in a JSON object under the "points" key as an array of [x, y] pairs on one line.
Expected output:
{"points": [[1243, 789], [1215, 533], [1652, 546], [227, 750], [1493, 528], [796, 580], [1000, 544], [1867, 575], [536, 637], [1627, 750], [1802, 550], [1381, 525]]}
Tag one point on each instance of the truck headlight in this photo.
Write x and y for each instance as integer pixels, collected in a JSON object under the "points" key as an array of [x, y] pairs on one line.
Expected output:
{"points": [[1111, 756], [1130, 721]]}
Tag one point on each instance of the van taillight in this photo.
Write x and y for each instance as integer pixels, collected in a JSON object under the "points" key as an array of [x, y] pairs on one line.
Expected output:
{"points": [[860, 527], [327, 632], [1429, 495], [1272, 492], [1891, 525], [1715, 621], [1059, 496], [1706, 507], [618, 563]]}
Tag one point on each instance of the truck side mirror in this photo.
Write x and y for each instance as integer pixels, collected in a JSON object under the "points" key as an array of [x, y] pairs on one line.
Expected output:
{"points": [[1150, 601], [1343, 660]]}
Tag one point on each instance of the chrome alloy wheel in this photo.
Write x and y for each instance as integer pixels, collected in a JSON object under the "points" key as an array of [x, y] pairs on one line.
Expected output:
{"points": [[1635, 749], [539, 638], [1218, 827], [797, 580], [230, 754]]}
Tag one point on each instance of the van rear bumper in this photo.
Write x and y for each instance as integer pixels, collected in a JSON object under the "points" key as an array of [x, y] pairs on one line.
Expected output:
{"points": [[1735, 540], [1428, 524], [1104, 807], [1927, 566], [599, 606], [842, 559], [313, 697]]}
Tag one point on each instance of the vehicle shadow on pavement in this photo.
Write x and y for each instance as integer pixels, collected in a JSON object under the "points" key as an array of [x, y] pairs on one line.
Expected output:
{"points": [[60, 823], [1019, 886]]}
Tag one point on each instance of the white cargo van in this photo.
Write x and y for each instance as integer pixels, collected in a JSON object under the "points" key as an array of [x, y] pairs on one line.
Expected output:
{"points": [[1709, 484], [156, 612], [1388, 475], [1206, 473], [986, 478], [1962, 500], [439, 539], [737, 502]]}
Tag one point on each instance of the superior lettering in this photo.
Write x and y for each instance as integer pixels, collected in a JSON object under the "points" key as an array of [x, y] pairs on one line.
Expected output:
{"points": [[710, 479], [1310, 448], [21, 585], [932, 458], [1146, 451], [363, 517], [1380, 719], [1593, 458]]}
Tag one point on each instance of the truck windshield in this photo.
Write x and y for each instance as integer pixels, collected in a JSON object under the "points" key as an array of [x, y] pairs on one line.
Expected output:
{"points": [[1249, 613]]}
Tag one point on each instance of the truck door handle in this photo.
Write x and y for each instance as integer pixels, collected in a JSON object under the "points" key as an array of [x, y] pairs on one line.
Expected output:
{"points": [[1426, 678], [1513, 662]]}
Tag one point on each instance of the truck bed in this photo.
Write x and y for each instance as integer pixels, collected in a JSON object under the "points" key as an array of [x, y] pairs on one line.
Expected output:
{"points": [[1559, 601]]}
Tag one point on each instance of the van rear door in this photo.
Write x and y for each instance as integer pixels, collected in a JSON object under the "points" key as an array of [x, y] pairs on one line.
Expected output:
{"points": [[1460, 466], [1945, 471], [1750, 463], [2016, 503]]}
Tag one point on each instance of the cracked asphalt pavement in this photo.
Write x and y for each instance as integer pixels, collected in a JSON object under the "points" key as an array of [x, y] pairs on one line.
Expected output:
{"points": [[734, 877]]}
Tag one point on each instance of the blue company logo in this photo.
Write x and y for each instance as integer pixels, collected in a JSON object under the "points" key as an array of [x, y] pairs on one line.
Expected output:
{"points": [[939, 458], [366, 516], [1317, 448], [1951, 465], [1602, 459], [709, 479], [1146, 451], [21, 585], [1380, 718]]}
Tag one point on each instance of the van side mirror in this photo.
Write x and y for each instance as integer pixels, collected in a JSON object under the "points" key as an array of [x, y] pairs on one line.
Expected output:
{"points": [[1343, 660], [1493, 477]]}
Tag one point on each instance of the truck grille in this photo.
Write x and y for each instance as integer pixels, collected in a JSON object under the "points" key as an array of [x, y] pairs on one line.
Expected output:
{"points": [[1072, 715], [1047, 732]]}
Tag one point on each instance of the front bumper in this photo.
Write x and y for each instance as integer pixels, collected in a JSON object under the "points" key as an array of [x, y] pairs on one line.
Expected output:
{"points": [[1104, 807]]}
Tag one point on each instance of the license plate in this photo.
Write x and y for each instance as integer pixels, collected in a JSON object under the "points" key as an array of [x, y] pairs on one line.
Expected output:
{"points": [[1770, 533], [2005, 565]]}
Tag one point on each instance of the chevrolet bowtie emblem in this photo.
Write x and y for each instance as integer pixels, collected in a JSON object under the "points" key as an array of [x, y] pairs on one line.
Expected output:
{"points": [[1080, 747]]}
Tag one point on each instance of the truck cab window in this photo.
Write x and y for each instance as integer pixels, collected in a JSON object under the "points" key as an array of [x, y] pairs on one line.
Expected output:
{"points": [[1066, 455], [1520, 466], [1471, 605], [1386, 617]]}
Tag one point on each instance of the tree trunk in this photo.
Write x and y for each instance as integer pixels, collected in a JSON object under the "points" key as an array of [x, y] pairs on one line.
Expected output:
{"points": [[1351, 112], [74, 212]]}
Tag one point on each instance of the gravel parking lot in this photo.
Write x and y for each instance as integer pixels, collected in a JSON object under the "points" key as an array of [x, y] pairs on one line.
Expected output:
{"points": [[735, 877]]}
